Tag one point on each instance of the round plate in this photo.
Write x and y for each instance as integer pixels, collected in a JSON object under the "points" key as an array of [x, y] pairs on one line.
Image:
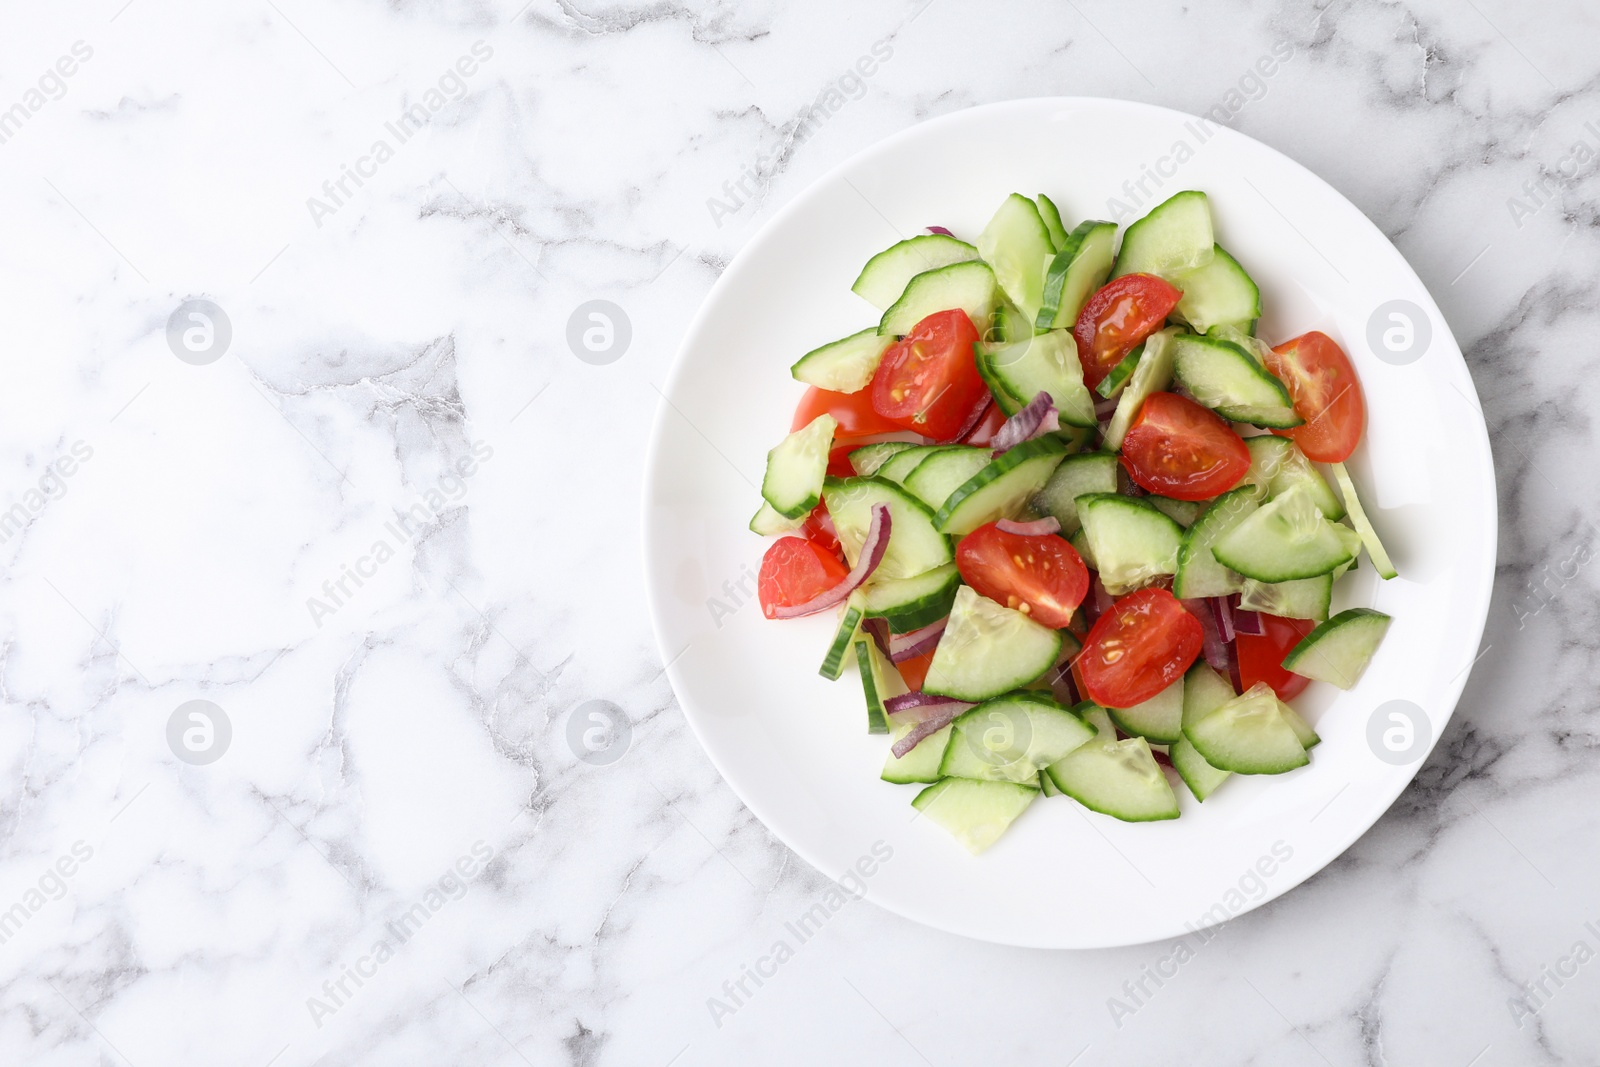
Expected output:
{"points": [[795, 747]]}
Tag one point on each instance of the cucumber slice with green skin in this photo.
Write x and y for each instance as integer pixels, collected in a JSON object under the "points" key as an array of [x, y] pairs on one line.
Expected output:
{"points": [[905, 461], [1199, 572], [872, 687], [983, 358], [974, 813], [1158, 720], [1000, 490], [887, 274], [1016, 243], [845, 366], [1152, 375], [796, 468], [1339, 650], [867, 459], [921, 764], [1277, 465], [1111, 385], [1046, 363], [988, 649], [945, 471], [1248, 735], [1285, 539], [1080, 541], [969, 286], [1047, 785], [1219, 293], [1090, 472], [1304, 598], [1302, 730], [849, 623], [1051, 217], [1116, 778], [1224, 377], [1012, 738], [912, 603], [1201, 778], [1363, 525], [1173, 239], [1080, 266], [769, 523], [915, 546], [1009, 324], [1204, 691], [1182, 512], [1132, 541]]}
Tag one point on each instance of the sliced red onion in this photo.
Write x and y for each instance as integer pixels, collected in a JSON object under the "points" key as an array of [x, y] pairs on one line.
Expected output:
{"points": [[1233, 669], [879, 629], [975, 419], [1104, 408], [1224, 615], [1213, 647], [916, 643], [1245, 622], [1037, 528], [872, 550], [933, 718], [906, 702], [1037, 417], [940, 229], [1063, 686]]}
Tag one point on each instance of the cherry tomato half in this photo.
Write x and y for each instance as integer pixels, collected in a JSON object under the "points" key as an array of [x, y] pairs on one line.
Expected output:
{"points": [[796, 570], [928, 381], [818, 529], [1322, 381], [1138, 648], [1179, 449], [1261, 656], [839, 461], [852, 411], [1040, 575], [1117, 318]]}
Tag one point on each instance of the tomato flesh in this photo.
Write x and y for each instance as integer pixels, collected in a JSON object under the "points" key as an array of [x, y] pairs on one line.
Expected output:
{"points": [[852, 411], [794, 571], [1140, 646], [1261, 655], [1326, 392], [989, 425], [928, 381], [1117, 317], [914, 671], [1179, 449], [1040, 575], [818, 529], [839, 462]]}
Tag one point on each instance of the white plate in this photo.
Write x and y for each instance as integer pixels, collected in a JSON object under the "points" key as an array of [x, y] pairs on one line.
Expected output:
{"points": [[794, 747]]}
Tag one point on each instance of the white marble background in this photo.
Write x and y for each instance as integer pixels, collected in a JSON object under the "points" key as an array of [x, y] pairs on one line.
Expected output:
{"points": [[374, 347]]}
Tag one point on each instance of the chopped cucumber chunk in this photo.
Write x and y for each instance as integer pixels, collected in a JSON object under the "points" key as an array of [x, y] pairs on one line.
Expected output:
{"points": [[1219, 293], [1152, 375], [1116, 778], [1223, 376], [1285, 539], [849, 622], [1079, 267], [1001, 489], [1016, 243], [1011, 738], [1201, 778], [1132, 541], [1090, 472], [868, 662], [1158, 720], [1248, 735], [974, 813], [1182, 512], [1051, 216], [769, 523], [1277, 465], [1046, 363], [796, 468], [1303, 598], [1199, 573], [1339, 650], [886, 275], [1111, 385], [945, 471], [921, 764], [902, 463], [1363, 525], [867, 459], [988, 649], [845, 366], [912, 603], [969, 286], [1173, 239], [914, 545]]}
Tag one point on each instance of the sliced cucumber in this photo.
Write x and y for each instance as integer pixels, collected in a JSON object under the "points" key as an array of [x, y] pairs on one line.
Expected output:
{"points": [[845, 366], [872, 687], [1158, 720], [1248, 735], [1080, 541], [1302, 730], [902, 463], [1199, 573], [1224, 377], [1201, 778], [921, 764], [1016, 243], [1173, 239], [974, 813], [1116, 778], [912, 603], [887, 274], [1204, 691], [1008, 324], [1080, 266], [1132, 541], [1285, 539], [1277, 465], [1046, 363], [1001, 489], [914, 545], [983, 357], [868, 459], [1303, 598], [1051, 217], [1047, 785], [1219, 293], [988, 649], [1111, 385], [796, 468], [1152, 375], [969, 286], [1363, 525], [1182, 512], [769, 523], [943, 472], [1339, 650], [1012, 738], [849, 623], [1090, 472]]}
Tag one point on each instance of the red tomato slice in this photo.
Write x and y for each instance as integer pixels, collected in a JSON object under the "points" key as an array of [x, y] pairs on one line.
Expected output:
{"points": [[1138, 648], [839, 462], [928, 381], [1179, 449], [818, 529], [795, 570], [1117, 318], [914, 671], [1326, 392], [852, 411], [1041, 576], [1261, 657]]}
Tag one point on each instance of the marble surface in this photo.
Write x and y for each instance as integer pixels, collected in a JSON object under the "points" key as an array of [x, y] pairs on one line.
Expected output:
{"points": [[377, 843]]}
